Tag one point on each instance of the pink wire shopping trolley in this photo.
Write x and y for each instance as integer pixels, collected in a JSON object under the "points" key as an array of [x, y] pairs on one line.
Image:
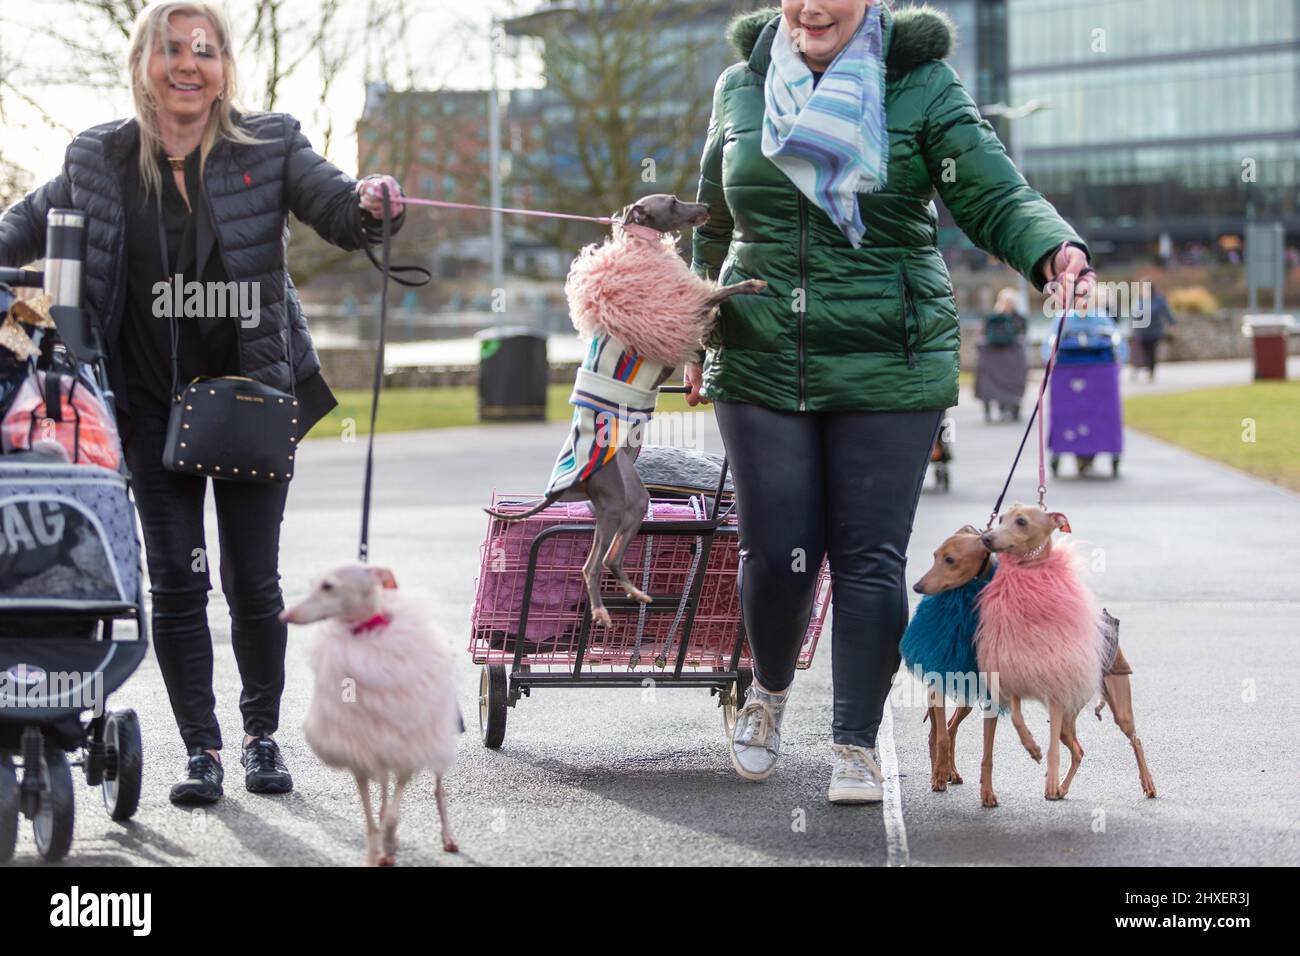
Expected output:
{"points": [[531, 625]]}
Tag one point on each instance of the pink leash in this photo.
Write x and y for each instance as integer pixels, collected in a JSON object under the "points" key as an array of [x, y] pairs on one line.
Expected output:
{"points": [[1036, 413], [519, 212]]}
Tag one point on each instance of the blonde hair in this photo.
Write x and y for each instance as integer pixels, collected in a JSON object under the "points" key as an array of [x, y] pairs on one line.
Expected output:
{"points": [[150, 27]]}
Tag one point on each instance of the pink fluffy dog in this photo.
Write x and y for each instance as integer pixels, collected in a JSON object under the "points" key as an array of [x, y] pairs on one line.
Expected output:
{"points": [[384, 704], [1040, 635], [635, 287]]}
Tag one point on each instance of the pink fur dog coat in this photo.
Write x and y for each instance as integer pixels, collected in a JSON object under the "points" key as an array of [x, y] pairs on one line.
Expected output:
{"points": [[1040, 632], [640, 291], [643, 313], [385, 698]]}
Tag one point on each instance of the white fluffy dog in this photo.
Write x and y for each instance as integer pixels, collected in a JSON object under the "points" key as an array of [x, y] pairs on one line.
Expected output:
{"points": [[384, 704]]}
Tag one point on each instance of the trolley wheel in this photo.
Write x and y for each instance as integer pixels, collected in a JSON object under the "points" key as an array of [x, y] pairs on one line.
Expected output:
{"points": [[1084, 464], [10, 804], [52, 825], [492, 693], [739, 688], [1056, 465], [1114, 466], [123, 765]]}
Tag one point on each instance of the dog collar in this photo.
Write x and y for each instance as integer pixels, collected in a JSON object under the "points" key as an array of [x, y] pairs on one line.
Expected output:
{"points": [[1029, 556], [379, 620], [641, 232]]}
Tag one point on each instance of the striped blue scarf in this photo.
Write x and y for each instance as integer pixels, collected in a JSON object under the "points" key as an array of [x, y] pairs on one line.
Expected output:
{"points": [[830, 140]]}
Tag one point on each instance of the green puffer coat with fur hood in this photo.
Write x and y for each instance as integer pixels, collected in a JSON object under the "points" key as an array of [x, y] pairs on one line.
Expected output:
{"points": [[879, 331]]}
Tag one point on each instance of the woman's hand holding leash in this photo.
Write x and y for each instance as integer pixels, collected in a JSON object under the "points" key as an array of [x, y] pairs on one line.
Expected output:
{"points": [[370, 197], [1071, 281], [693, 378]]}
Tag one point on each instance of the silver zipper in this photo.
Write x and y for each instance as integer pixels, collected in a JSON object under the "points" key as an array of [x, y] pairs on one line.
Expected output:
{"points": [[803, 285]]}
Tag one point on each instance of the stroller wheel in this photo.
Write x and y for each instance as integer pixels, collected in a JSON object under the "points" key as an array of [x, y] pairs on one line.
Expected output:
{"points": [[492, 705], [736, 700], [9, 807], [52, 825], [123, 765], [1114, 466]]}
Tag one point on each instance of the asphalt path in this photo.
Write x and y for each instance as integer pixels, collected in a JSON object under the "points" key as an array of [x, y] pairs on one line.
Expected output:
{"points": [[1196, 559]]}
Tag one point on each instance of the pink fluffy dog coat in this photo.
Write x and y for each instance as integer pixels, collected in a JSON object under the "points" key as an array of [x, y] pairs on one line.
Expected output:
{"points": [[1040, 631], [385, 700], [642, 293]]}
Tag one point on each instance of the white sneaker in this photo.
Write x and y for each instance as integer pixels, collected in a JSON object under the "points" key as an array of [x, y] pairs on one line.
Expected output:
{"points": [[856, 777], [756, 741]]}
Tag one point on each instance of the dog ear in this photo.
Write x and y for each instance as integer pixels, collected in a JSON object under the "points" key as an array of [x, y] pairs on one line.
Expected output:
{"points": [[1061, 521], [634, 213], [384, 576]]}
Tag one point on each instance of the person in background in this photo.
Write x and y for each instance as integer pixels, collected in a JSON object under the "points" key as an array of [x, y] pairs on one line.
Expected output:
{"points": [[1003, 371], [1151, 320]]}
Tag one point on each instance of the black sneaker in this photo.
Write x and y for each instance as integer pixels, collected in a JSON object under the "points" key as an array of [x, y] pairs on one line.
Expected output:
{"points": [[264, 769], [200, 783]]}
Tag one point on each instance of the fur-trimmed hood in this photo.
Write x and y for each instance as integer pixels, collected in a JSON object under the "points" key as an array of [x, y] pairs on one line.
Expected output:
{"points": [[912, 35]]}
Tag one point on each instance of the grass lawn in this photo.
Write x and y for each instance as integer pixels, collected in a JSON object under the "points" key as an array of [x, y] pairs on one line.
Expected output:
{"points": [[409, 409], [1211, 422]]}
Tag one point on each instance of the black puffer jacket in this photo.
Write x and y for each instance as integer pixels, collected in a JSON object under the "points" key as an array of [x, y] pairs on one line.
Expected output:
{"points": [[251, 189]]}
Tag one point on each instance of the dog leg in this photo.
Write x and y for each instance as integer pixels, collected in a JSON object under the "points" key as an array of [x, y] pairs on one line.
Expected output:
{"points": [[987, 797], [1120, 694], [372, 830], [1056, 718], [637, 500], [389, 819], [747, 287], [940, 749], [1026, 738], [591, 571], [957, 717], [605, 488], [449, 844], [1071, 741], [384, 858]]}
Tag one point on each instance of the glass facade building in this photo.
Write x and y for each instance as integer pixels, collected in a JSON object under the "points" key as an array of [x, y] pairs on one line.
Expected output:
{"points": [[1164, 116]]}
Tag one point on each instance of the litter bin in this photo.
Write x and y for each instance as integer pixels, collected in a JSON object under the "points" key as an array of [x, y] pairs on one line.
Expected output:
{"points": [[1268, 339], [512, 375]]}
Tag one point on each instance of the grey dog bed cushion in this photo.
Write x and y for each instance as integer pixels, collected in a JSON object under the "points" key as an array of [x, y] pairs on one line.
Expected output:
{"points": [[669, 472]]}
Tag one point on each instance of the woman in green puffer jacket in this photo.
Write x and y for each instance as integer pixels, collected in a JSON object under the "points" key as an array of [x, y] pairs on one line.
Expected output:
{"points": [[826, 146]]}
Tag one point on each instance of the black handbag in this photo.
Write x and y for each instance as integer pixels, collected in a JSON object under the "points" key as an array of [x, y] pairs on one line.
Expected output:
{"points": [[232, 427], [229, 426]]}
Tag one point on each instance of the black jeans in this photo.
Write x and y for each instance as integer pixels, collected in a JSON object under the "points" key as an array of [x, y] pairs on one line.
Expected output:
{"points": [[839, 483], [248, 522]]}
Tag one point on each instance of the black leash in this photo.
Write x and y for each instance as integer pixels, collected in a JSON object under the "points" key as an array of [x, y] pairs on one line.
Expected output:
{"points": [[387, 269], [1042, 394]]}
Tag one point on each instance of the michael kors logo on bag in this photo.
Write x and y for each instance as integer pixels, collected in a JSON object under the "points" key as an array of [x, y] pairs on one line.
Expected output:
{"points": [[249, 398]]}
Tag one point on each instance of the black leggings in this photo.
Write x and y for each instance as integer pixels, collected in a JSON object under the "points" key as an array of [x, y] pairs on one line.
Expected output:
{"points": [[839, 483], [248, 522]]}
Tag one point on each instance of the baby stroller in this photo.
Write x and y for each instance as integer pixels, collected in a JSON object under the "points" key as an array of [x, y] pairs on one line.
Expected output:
{"points": [[1086, 412], [940, 455], [69, 570]]}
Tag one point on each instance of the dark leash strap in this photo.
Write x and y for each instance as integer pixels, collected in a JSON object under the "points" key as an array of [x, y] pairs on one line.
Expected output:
{"points": [[387, 269], [1042, 393]]}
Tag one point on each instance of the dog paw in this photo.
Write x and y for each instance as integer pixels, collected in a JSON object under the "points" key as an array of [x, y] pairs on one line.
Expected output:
{"points": [[449, 845], [954, 776], [387, 860], [988, 798], [938, 782], [601, 616]]}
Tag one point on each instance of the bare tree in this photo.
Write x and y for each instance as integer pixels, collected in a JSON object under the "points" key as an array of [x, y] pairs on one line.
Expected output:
{"points": [[625, 106]]}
